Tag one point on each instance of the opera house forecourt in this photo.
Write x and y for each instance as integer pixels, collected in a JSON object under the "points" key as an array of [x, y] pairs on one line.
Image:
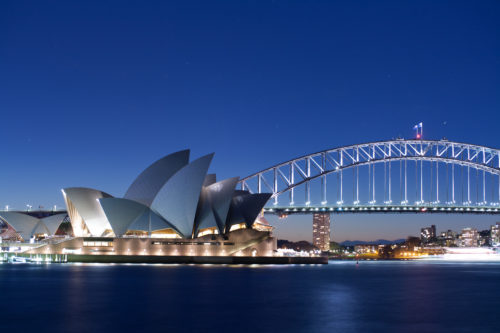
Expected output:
{"points": [[174, 212]]}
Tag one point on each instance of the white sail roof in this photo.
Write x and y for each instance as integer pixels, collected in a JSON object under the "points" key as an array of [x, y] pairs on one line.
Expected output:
{"points": [[178, 198], [147, 185], [214, 206], [25, 225], [121, 213], [53, 222], [84, 208], [150, 221]]}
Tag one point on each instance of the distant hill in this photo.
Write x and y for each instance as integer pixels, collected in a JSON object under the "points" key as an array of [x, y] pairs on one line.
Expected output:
{"points": [[376, 242]]}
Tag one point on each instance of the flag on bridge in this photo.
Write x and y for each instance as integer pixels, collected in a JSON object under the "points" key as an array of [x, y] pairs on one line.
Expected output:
{"points": [[419, 128]]}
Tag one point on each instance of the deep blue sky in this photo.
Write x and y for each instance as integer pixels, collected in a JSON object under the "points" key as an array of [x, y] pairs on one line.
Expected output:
{"points": [[91, 92]]}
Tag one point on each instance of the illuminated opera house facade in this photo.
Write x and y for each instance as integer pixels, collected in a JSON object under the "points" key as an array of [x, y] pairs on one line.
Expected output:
{"points": [[173, 208]]}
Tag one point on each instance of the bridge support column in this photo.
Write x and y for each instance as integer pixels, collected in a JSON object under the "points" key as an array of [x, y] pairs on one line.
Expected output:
{"points": [[321, 231]]}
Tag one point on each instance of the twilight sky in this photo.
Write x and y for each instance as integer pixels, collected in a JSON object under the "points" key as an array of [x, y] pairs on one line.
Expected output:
{"points": [[92, 92]]}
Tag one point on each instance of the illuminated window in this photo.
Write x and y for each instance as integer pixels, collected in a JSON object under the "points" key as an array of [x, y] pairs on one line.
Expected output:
{"points": [[97, 243]]}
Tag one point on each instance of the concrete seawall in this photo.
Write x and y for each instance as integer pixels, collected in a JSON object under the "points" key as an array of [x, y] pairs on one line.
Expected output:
{"points": [[230, 260]]}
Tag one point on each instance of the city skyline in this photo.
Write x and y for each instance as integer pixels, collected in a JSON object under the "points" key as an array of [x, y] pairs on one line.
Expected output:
{"points": [[364, 227], [82, 87]]}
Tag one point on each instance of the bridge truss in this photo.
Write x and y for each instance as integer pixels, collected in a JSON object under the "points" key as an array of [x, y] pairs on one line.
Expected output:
{"points": [[396, 175]]}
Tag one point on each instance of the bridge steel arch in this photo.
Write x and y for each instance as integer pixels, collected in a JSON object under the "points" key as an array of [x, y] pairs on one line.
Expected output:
{"points": [[287, 176]]}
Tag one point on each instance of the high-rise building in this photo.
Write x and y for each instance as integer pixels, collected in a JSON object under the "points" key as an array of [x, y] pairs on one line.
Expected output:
{"points": [[484, 237], [448, 238], [428, 234], [469, 237], [321, 231], [495, 234]]}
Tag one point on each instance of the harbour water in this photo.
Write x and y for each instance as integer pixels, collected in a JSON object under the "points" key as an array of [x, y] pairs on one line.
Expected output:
{"points": [[372, 296]]}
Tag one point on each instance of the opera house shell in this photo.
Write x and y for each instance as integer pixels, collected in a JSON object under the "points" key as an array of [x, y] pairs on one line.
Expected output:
{"points": [[24, 227], [174, 207]]}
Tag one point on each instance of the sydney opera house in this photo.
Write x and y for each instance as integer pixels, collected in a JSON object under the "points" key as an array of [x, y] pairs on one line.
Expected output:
{"points": [[173, 208]]}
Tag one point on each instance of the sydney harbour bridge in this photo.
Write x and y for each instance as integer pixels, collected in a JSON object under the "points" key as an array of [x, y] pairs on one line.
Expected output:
{"points": [[395, 176]]}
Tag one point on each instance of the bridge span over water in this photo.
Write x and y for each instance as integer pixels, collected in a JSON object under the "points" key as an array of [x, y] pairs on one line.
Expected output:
{"points": [[394, 176]]}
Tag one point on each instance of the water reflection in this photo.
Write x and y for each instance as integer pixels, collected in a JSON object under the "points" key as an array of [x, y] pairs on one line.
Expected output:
{"points": [[340, 297]]}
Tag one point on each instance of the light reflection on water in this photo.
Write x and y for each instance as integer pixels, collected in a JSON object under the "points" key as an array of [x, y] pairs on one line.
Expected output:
{"points": [[389, 296]]}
